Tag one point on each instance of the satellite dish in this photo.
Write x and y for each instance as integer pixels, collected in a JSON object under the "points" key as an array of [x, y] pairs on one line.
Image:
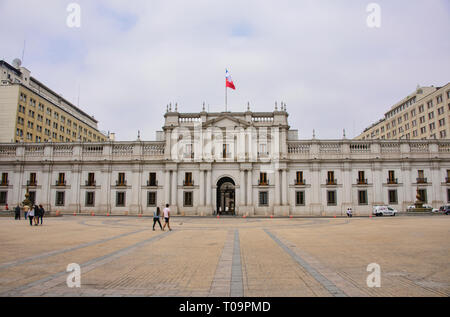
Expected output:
{"points": [[17, 62]]}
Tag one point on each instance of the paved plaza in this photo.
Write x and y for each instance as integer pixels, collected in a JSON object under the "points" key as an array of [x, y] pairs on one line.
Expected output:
{"points": [[251, 257]]}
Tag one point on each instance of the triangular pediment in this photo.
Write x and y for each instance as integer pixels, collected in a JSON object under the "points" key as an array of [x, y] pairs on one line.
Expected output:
{"points": [[224, 121]]}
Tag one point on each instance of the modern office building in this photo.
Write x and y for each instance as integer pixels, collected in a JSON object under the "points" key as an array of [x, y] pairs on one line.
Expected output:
{"points": [[32, 112], [240, 163], [424, 114]]}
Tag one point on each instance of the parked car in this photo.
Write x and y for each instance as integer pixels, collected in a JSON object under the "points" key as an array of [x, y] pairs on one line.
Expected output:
{"points": [[384, 211], [445, 209], [410, 207]]}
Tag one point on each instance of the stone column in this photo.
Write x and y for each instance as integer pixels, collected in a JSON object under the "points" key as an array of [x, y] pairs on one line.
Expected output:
{"points": [[202, 188], [208, 190], [284, 188], [277, 187], [167, 187], [250, 187], [242, 188], [174, 188]]}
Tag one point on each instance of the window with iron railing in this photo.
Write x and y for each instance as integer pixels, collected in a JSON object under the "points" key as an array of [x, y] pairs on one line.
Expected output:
{"points": [[188, 179], [32, 181], [263, 181], [361, 178], [299, 179], [152, 181], [331, 180], [392, 179], [91, 180], [420, 177], [61, 181], [121, 181], [4, 181]]}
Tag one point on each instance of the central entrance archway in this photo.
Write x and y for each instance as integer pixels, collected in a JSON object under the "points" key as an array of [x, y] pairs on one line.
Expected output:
{"points": [[226, 196]]}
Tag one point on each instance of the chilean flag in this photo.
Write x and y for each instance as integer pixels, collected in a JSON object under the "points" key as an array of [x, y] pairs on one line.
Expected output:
{"points": [[229, 81]]}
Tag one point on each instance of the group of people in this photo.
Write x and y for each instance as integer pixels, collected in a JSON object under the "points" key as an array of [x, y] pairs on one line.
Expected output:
{"points": [[34, 213], [166, 214]]}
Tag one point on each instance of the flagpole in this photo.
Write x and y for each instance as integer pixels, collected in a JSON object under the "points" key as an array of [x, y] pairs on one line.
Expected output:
{"points": [[226, 101]]}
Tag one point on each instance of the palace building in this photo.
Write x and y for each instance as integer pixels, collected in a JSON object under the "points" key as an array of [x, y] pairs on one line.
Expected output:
{"points": [[236, 163], [33, 113]]}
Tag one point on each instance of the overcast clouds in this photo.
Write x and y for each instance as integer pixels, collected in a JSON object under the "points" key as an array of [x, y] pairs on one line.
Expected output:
{"points": [[131, 58]]}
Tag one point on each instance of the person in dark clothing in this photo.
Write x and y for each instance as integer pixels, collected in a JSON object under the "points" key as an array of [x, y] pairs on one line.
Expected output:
{"points": [[41, 214], [36, 214], [156, 215], [17, 212]]}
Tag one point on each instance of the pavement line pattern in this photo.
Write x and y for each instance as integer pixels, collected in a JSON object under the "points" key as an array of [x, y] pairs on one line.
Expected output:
{"points": [[220, 286], [60, 277], [327, 284], [237, 285], [62, 251]]}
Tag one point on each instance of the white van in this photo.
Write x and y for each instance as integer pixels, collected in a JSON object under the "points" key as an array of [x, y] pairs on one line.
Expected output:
{"points": [[384, 211]]}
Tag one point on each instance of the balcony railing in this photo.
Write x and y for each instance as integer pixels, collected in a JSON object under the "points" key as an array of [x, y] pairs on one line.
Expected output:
{"points": [[4, 183], [188, 155], [91, 183], [263, 183], [421, 180], [188, 183], [60, 183], [361, 181], [32, 183], [392, 181], [299, 182], [152, 183], [226, 155], [121, 183], [331, 181], [447, 180]]}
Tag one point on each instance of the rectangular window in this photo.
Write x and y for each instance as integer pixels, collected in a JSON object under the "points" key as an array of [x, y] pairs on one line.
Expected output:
{"points": [[3, 198], [331, 198], [152, 180], [90, 199], [392, 179], [188, 199], [91, 179], [448, 195], [393, 196], [120, 199], [263, 199], [439, 99], [188, 179], [361, 178], [60, 199], [151, 199], [299, 180], [33, 180], [300, 198], [263, 179], [61, 179], [121, 180], [331, 180], [4, 179], [362, 197]]}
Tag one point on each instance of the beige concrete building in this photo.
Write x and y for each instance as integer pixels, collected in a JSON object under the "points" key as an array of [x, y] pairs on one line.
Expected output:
{"points": [[424, 114], [32, 112]]}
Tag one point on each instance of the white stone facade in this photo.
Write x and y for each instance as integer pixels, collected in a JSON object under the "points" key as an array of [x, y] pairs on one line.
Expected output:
{"points": [[229, 150]]}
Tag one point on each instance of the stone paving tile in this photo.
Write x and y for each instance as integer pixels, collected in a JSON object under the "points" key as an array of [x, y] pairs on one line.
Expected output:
{"points": [[198, 258]]}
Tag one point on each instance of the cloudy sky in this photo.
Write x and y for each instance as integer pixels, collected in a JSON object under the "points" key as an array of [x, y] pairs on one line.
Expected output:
{"points": [[129, 59]]}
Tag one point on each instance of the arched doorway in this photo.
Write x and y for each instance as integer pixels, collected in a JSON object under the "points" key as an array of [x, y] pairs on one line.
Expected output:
{"points": [[226, 196]]}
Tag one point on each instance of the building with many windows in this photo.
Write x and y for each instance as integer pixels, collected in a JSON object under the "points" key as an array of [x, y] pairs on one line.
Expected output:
{"points": [[424, 114], [239, 163], [31, 112]]}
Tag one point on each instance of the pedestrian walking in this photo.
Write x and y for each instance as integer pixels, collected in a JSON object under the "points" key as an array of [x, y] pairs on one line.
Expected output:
{"points": [[41, 213], [30, 215], [349, 212], [17, 213], [26, 210], [166, 212], [156, 215], [37, 213]]}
